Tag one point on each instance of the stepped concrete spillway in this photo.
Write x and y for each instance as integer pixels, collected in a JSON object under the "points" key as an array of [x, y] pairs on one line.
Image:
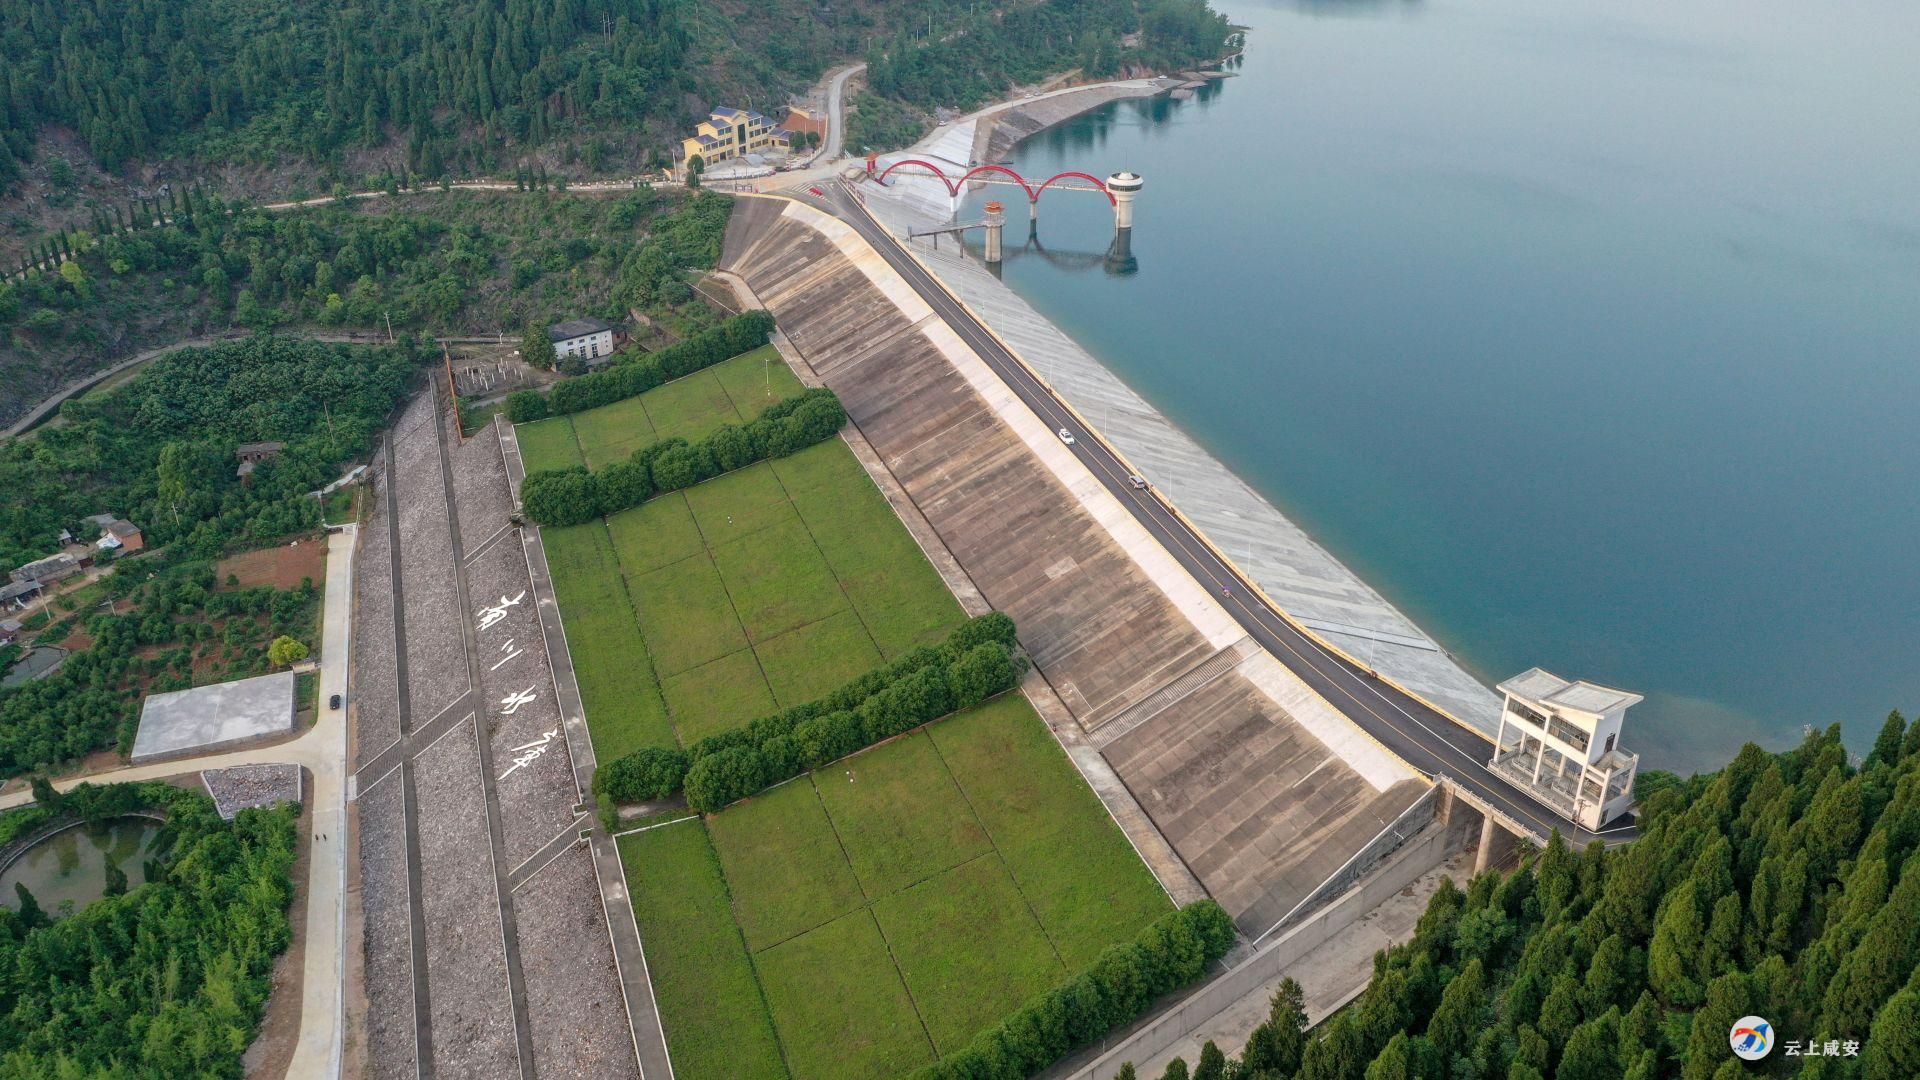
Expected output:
{"points": [[1262, 788]]}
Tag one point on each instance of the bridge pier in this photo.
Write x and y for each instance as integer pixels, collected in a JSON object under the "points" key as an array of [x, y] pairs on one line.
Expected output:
{"points": [[1495, 844]]}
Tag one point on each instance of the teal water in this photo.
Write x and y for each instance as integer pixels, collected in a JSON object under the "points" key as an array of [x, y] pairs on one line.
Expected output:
{"points": [[1588, 333]]}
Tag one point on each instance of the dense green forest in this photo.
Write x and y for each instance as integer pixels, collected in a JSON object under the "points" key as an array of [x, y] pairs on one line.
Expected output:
{"points": [[1784, 886], [983, 55], [166, 979], [159, 451], [456, 86], [444, 262]]}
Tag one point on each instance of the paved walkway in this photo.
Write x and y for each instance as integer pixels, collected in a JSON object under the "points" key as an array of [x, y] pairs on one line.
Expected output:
{"points": [[322, 750]]}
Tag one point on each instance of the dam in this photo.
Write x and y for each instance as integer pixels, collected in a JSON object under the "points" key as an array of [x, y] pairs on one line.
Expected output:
{"points": [[1262, 788]]}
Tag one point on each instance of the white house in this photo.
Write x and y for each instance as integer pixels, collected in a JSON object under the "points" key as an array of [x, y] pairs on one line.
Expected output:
{"points": [[587, 339], [1559, 741]]}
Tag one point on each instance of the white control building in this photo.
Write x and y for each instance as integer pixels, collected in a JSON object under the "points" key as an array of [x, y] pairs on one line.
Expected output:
{"points": [[1559, 741]]}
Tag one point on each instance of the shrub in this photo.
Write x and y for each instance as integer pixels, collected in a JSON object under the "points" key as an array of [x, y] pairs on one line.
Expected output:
{"points": [[624, 483], [725, 777], [526, 405], [561, 496], [1127, 978], [827, 738], [983, 671], [672, 464], [994, 626], [648, 773], [917, 688], [683, 467]]}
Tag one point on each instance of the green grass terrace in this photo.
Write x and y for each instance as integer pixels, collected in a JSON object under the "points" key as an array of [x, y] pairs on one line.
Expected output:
{"points": [[874, 915]]}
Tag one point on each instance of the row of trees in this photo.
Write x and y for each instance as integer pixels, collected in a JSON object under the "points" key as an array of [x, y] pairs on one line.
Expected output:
{"points": [[1128, 978], [978, 660], [571, 496], [634, 372], [164, 979], [1784, 886]]}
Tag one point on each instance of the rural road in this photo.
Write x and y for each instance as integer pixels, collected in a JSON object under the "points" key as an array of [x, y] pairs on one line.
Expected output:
{"points": [[323, 751], [1419, 734]]}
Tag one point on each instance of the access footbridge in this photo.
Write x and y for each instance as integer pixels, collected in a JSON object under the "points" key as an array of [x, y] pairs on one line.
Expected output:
{"points": [[1428, 740]]}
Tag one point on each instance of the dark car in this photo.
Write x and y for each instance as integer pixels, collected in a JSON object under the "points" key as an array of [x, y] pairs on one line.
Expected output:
{"points": [[333, 702]]}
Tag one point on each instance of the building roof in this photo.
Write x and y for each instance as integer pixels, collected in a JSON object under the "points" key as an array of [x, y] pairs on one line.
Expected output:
{"points": [[705, 139], [10, 626], [577, 328], [724, 112], [117, 526], [1546, 688], [260, 448], [14, 589], [41, 567]]}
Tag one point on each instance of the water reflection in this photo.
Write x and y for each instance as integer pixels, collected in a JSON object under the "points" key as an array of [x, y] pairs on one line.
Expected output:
{"points": [[70, 867]]}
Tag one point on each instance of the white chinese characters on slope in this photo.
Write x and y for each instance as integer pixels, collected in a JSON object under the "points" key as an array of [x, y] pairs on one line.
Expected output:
{"points": [[528, 753]]}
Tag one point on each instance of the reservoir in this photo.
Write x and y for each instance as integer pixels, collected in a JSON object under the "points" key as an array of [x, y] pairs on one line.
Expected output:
{"points": [[1589, 334]]}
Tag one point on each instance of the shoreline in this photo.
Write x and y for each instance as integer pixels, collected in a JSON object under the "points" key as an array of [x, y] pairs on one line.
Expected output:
{"points": [[1311, 584]]}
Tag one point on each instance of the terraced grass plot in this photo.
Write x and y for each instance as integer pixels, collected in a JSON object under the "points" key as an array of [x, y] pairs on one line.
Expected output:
{"points": [[862, 920], [772, 584]]}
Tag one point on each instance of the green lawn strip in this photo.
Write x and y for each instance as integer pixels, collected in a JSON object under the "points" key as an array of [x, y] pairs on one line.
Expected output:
{"points": [[686, 615], [739, 503], [690, 408], [654, 534], [1085, 882], [716, 696], [810, 662], [899, 814], [757, 379], [885, 575], [613, 432], [784, 866], [968, 947], [625, 710], [548, 444], [778, 580], [839, 1005], [716, 1020]]}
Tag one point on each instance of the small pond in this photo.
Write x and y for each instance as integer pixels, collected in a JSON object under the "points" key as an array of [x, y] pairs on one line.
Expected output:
{"points": [[72, 864]]}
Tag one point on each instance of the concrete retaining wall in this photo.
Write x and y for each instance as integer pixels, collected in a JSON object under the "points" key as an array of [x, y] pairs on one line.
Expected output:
{"points": [[1270, 962]]}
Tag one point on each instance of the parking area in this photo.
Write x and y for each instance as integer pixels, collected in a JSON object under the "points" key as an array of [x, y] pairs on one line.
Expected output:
{"points": [[485, 938]]}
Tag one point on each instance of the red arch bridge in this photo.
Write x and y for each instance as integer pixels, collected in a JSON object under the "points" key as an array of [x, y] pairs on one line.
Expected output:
{"points": [[992, 174]]}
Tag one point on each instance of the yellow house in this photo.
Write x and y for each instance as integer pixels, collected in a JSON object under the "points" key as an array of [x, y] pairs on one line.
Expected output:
{"points": [[729, 133]]}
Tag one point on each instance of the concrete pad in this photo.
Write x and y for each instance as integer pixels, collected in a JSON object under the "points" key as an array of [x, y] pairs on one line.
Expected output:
{"points": [[222, 715]]}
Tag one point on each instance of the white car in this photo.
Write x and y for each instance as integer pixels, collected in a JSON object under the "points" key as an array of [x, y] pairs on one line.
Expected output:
{"points": [[1066, 436], [1139, 482]]}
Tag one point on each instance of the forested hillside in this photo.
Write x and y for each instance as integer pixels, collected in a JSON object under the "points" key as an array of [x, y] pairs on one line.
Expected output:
{"points": [[443, 262], [468, 87], [1784, 886]]}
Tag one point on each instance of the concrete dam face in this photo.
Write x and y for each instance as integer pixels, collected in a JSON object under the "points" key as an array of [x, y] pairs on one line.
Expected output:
{"points": [[1258, 785]]}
